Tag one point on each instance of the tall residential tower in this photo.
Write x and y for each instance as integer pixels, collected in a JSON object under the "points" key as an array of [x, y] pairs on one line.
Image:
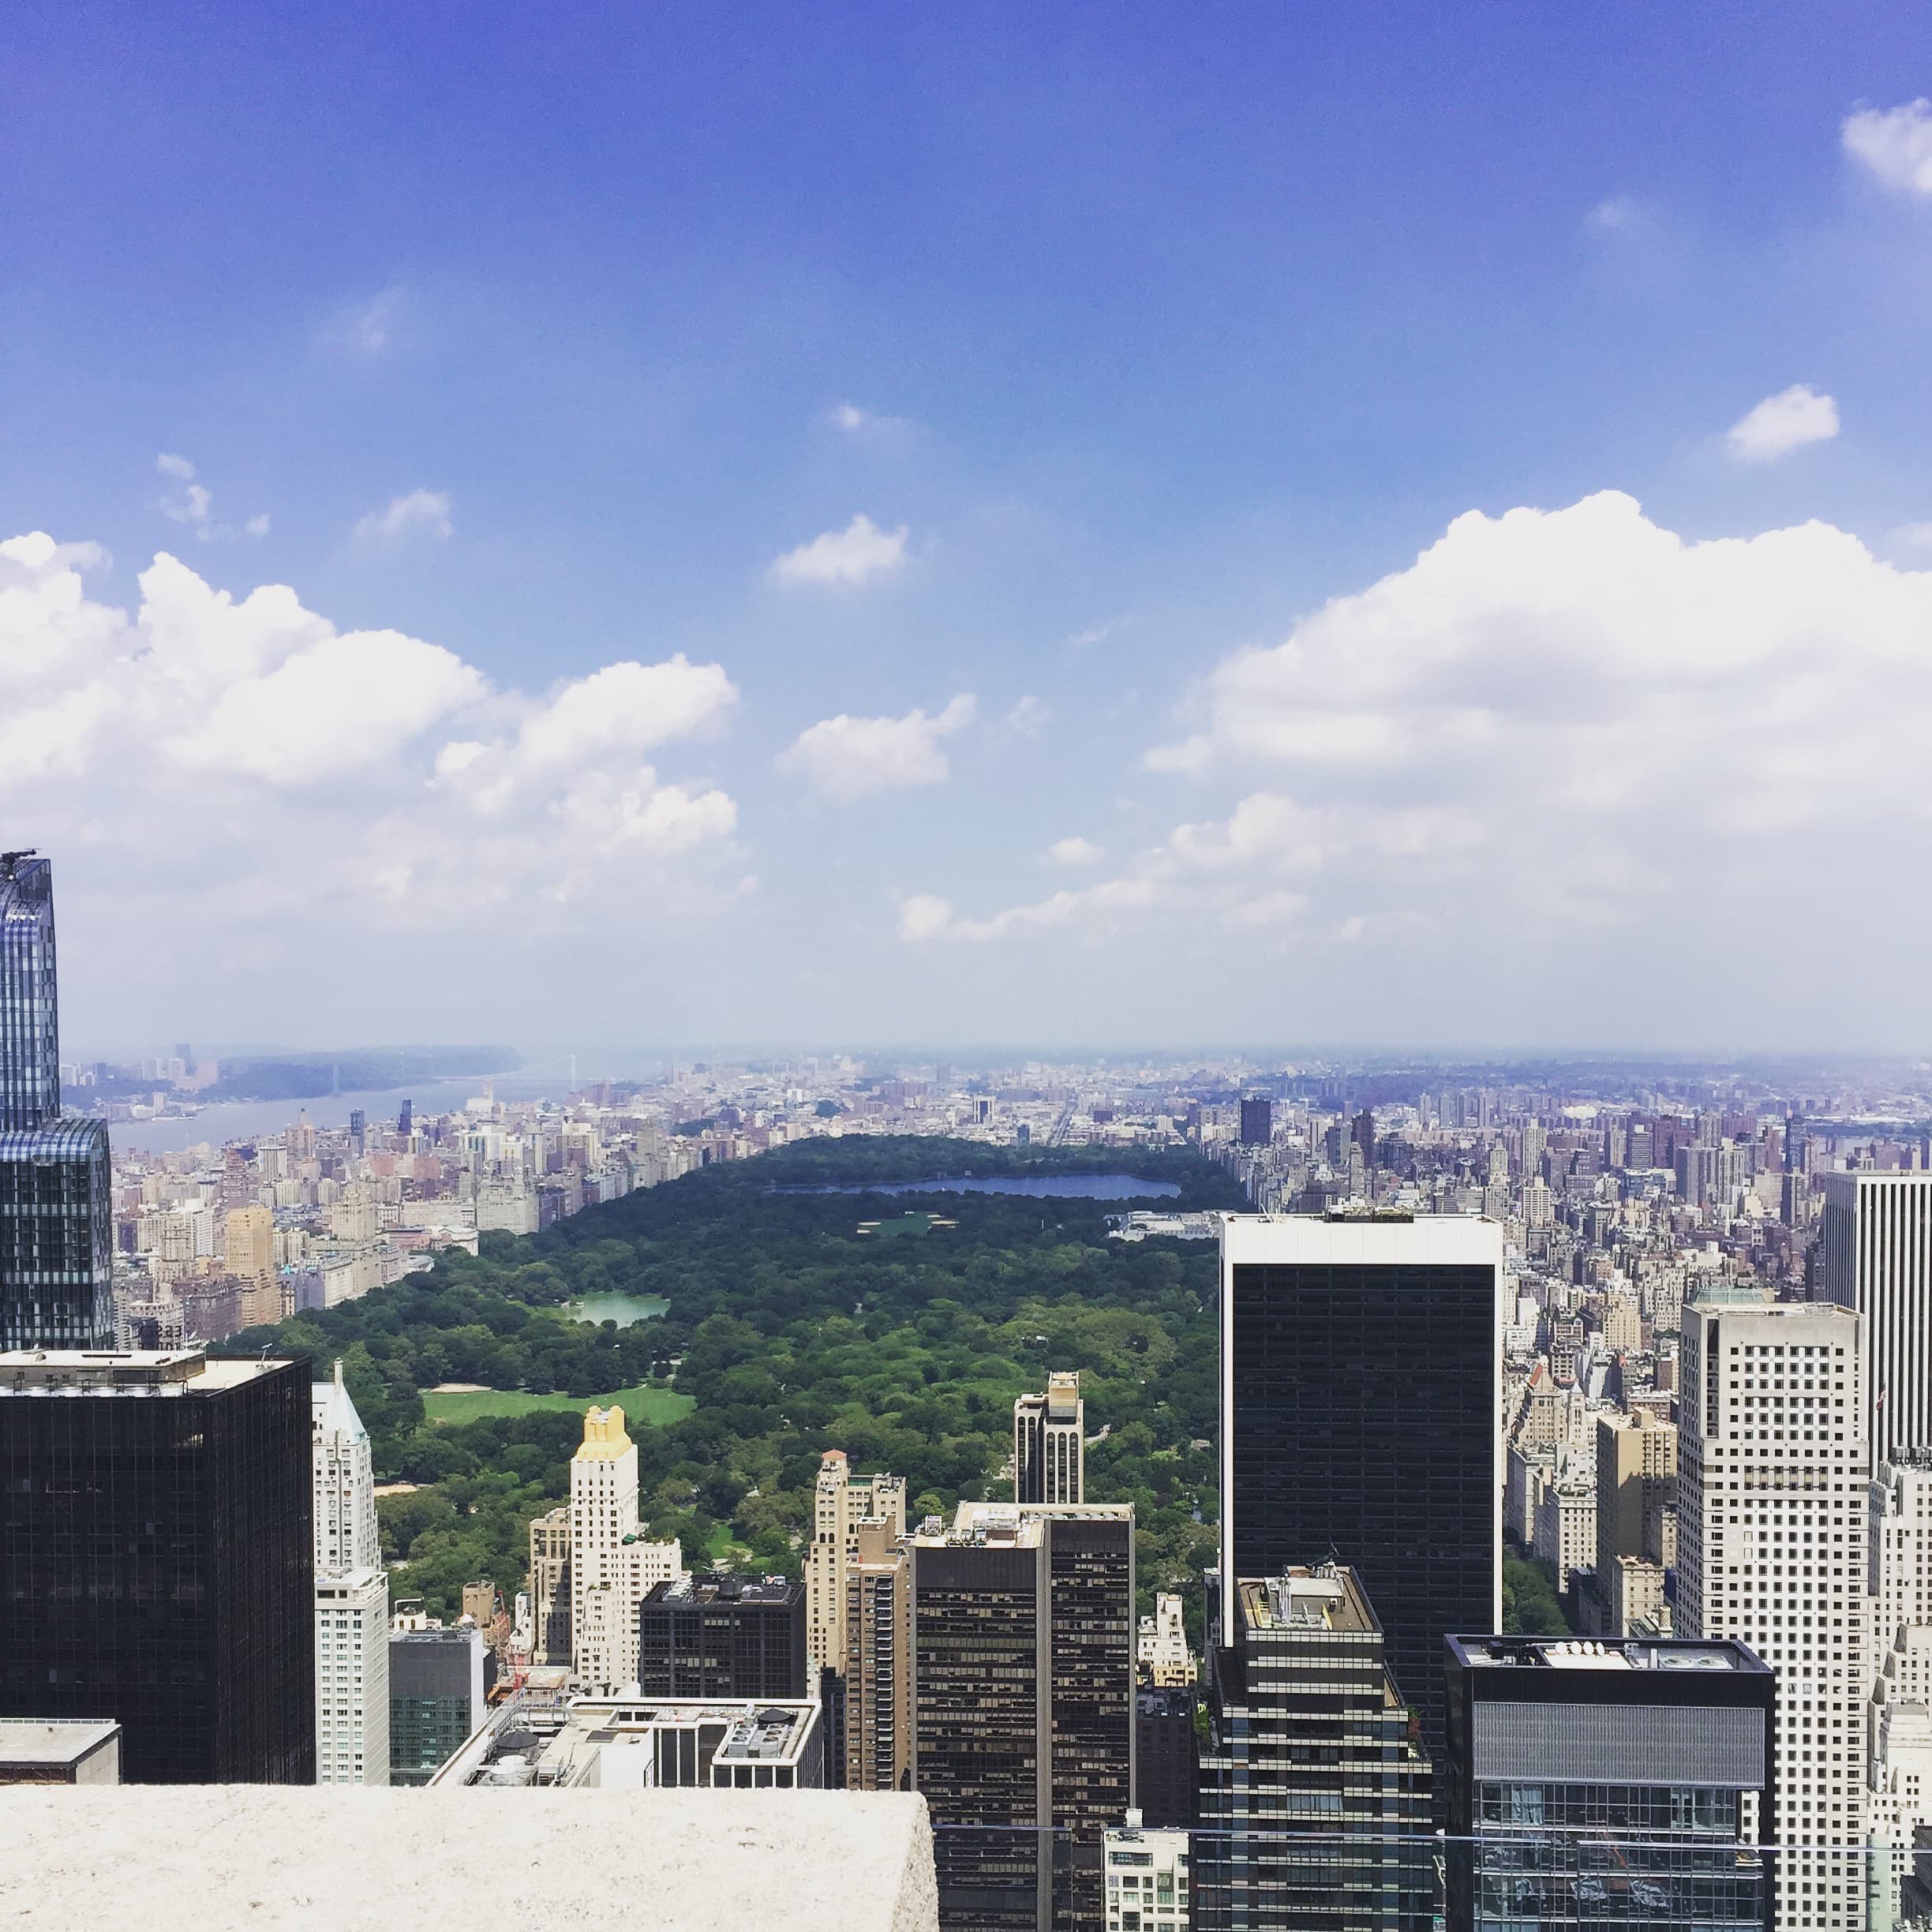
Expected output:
{"points": [[1049, 1442], [56, 1221]]}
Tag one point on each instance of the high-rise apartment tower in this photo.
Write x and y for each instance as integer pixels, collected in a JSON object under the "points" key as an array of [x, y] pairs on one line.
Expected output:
{"points": [[613, 1566], [56, 1220], [843, 1506], [1049, 1450]]}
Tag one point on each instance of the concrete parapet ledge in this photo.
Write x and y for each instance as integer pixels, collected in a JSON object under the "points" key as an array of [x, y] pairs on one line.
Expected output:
{"points": [[336, 1859]]}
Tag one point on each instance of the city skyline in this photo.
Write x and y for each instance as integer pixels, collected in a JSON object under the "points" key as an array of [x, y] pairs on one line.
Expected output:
{"points": [[1452, 568]]}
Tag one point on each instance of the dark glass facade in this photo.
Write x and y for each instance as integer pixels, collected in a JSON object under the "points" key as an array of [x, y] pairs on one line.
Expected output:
{"points": [[1607, 1790], [1023, 1640], [29, 1020], [1360, 1409], [156, 1563], [724, 1637], [56, 1236], [439, 1686], [56, 1222], [1167, 1756]]}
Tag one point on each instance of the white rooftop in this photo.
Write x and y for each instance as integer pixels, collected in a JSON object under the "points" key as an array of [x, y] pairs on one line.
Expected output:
{"points": [[271, 1857]]}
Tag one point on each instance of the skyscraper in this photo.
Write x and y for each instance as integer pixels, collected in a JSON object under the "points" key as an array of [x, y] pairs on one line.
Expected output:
{"points": [[157, 1556], [56, 1223], [1257, 1122], [876, 1683], [1636, 1517], [1315, 1802], [344, 1482], [1773, 1497], [1360, 1403], [352, 1678], [248, 1250], [1875, 1256], [843, 1506], [1614, 1784], [351, 1595], [1022, 1697], [613, 1567], [1049, 1442], [29, 1005], [550, 1586]]}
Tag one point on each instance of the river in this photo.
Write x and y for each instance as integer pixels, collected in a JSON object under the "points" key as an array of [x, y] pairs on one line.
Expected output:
{"points": [[244, 1119], [1065, 1187]]}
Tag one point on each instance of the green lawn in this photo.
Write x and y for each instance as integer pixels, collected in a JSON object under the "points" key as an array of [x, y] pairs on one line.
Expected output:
{"points": [[645, 1403]]}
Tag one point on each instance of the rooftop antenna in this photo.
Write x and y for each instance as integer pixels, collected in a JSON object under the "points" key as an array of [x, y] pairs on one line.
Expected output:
{"points": [[9, 860]]}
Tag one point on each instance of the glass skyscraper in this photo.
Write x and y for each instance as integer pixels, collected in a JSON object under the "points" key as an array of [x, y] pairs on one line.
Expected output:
{"points": [[1361, 1367], [56, 1229]]}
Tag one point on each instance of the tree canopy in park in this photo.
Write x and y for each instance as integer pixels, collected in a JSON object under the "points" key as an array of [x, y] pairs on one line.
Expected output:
{"points": [[793, 1333]]}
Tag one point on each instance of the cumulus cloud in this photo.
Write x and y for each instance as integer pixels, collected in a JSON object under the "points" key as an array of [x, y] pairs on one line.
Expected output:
{"points": [[1782, 423], [189, 501], [356, 780], [854, 555], [424, 512], [1566, 723], [846, 757], [1895, 145], [1072, 851], [1914, 536]]}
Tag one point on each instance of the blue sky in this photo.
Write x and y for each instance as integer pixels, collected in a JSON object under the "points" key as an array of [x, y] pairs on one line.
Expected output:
{"points": [[541, 336]]}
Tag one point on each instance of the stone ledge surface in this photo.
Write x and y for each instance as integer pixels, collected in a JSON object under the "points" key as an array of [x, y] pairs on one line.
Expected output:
{"points": [[336, 1859]]}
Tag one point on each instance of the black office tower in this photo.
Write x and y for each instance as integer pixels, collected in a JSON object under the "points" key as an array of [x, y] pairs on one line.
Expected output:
{"points": [[56, 1223], [722, 1637], [1360, 1400], [1257, 1122], [157, 1559], [1023, 1709]]}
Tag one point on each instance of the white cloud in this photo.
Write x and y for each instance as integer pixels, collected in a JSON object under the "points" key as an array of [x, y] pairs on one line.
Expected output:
{"points": [[869, 426], [1614, 212], [1782, 423], [1894, 143], [425, 511], [1028, 719], [1096, 633], [1552, 726], [1073, 851], [846, 757], [1913, 536], [854, 555], [246, 769], [193, 504], [367, 328]]}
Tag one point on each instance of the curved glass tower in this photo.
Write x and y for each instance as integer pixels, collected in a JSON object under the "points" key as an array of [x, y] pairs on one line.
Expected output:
{"points": [[29, 1014], [56, 1226]]}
